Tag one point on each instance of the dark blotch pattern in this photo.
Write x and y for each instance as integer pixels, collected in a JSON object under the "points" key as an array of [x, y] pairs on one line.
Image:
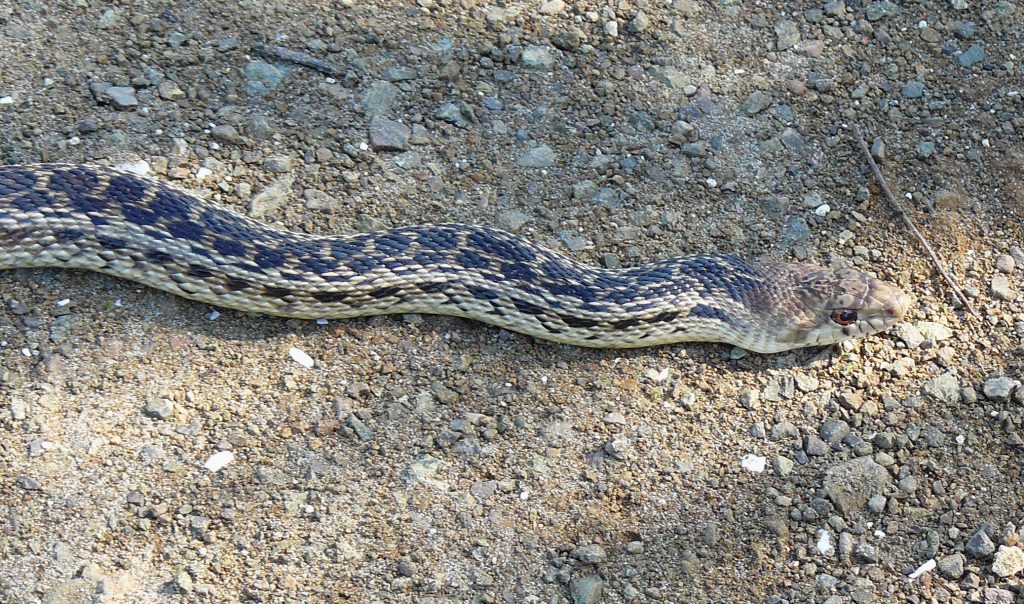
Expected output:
{"points": [[111, 243], [268, 257], [708, 312], [330, 297], [16, 180], [171, 204], [229, 247], [235, 284], [126, 190], [508, 249], [385, 292], [80, 185], [482, 293], [186, 229], [33, 201], [277, 292], [528, 307]]}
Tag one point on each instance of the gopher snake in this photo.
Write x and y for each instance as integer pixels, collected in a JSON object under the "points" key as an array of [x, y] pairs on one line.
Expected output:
{"points": [[122, 224]]}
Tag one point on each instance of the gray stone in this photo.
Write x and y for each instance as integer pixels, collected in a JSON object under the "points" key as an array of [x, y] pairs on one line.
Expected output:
{"points": [[693, 149], [122, 97], [263, 77], [379, 98], [538, 157], [994, 595], [570, 39], [944, 388], [786, 34], [782, 466], [980, 545], [755, 103], [226, 133], [161, 408], [424, 471], [909, 334], [458, 114], [925, 149], [640, 22], [974, 54], [792, 139], [999, 389], [879, 10], [912, 90], [1005, 263], [590, 554], [833, 431], [1002, 289], [584, 189], [783, 430], [398, 74], [388, 135], [586, 590], [851, 483], [814, 446], [672, 77], [952, 567], [537, 57], [271, 198], [278, 164], [936, 332], [865, 552], [877, 503], [170, 91], [860, 91]]}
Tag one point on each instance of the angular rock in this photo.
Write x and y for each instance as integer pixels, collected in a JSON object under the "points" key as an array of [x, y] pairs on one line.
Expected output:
{"points": [[952, 567], [586, 590], [999, 389], [786, 34], [388, 135], [979, 545], [944, 388], [1008, 561], [538, 157], [850, 484]]}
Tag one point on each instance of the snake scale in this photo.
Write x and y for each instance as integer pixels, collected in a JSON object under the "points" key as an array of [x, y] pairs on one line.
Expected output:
{"points": [[123, 224]]}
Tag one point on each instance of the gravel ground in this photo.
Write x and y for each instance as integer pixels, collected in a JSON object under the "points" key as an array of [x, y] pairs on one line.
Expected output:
{"points": [[434, 460]]}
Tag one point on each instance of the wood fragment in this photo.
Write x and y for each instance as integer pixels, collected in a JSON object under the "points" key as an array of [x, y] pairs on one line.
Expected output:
{"points": [[910, 223], [299, 58]]}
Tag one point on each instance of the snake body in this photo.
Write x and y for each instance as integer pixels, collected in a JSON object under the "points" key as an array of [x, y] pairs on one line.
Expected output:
{"points": [[123, 224]]}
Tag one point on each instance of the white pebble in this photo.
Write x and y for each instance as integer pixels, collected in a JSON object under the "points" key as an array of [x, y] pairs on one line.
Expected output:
{"points": [[300, 357], [823, 210], [203, 172], [218, 460], [213, 315], [824, 541], [321, 321], [140, 167], [64, 302], [754, 463], [924, 568], [6, 100]]}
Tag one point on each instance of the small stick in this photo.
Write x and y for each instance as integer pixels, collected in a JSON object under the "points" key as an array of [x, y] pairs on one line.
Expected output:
{"points": [[910, 223], [299, 58]]}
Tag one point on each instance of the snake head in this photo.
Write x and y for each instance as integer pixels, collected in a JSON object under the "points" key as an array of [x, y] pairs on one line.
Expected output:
{"points": [[832, 305]]}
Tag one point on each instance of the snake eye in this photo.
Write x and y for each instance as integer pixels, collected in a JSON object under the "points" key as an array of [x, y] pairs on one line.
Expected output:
{"points": [[844, 316]]}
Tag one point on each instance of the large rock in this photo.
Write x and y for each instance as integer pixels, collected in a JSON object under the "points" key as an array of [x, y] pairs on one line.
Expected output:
{"points": [[850, 484]]}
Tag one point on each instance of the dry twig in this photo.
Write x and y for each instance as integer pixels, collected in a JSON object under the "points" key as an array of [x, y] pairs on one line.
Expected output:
{"points": [[300, 58], [910, 223]]}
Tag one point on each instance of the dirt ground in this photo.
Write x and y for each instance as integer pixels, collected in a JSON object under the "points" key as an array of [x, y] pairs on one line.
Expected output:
{"points": [[431, 460]]}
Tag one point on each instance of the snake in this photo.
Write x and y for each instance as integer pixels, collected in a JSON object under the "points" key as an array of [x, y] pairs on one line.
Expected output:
{"points": [[147, 231]]}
